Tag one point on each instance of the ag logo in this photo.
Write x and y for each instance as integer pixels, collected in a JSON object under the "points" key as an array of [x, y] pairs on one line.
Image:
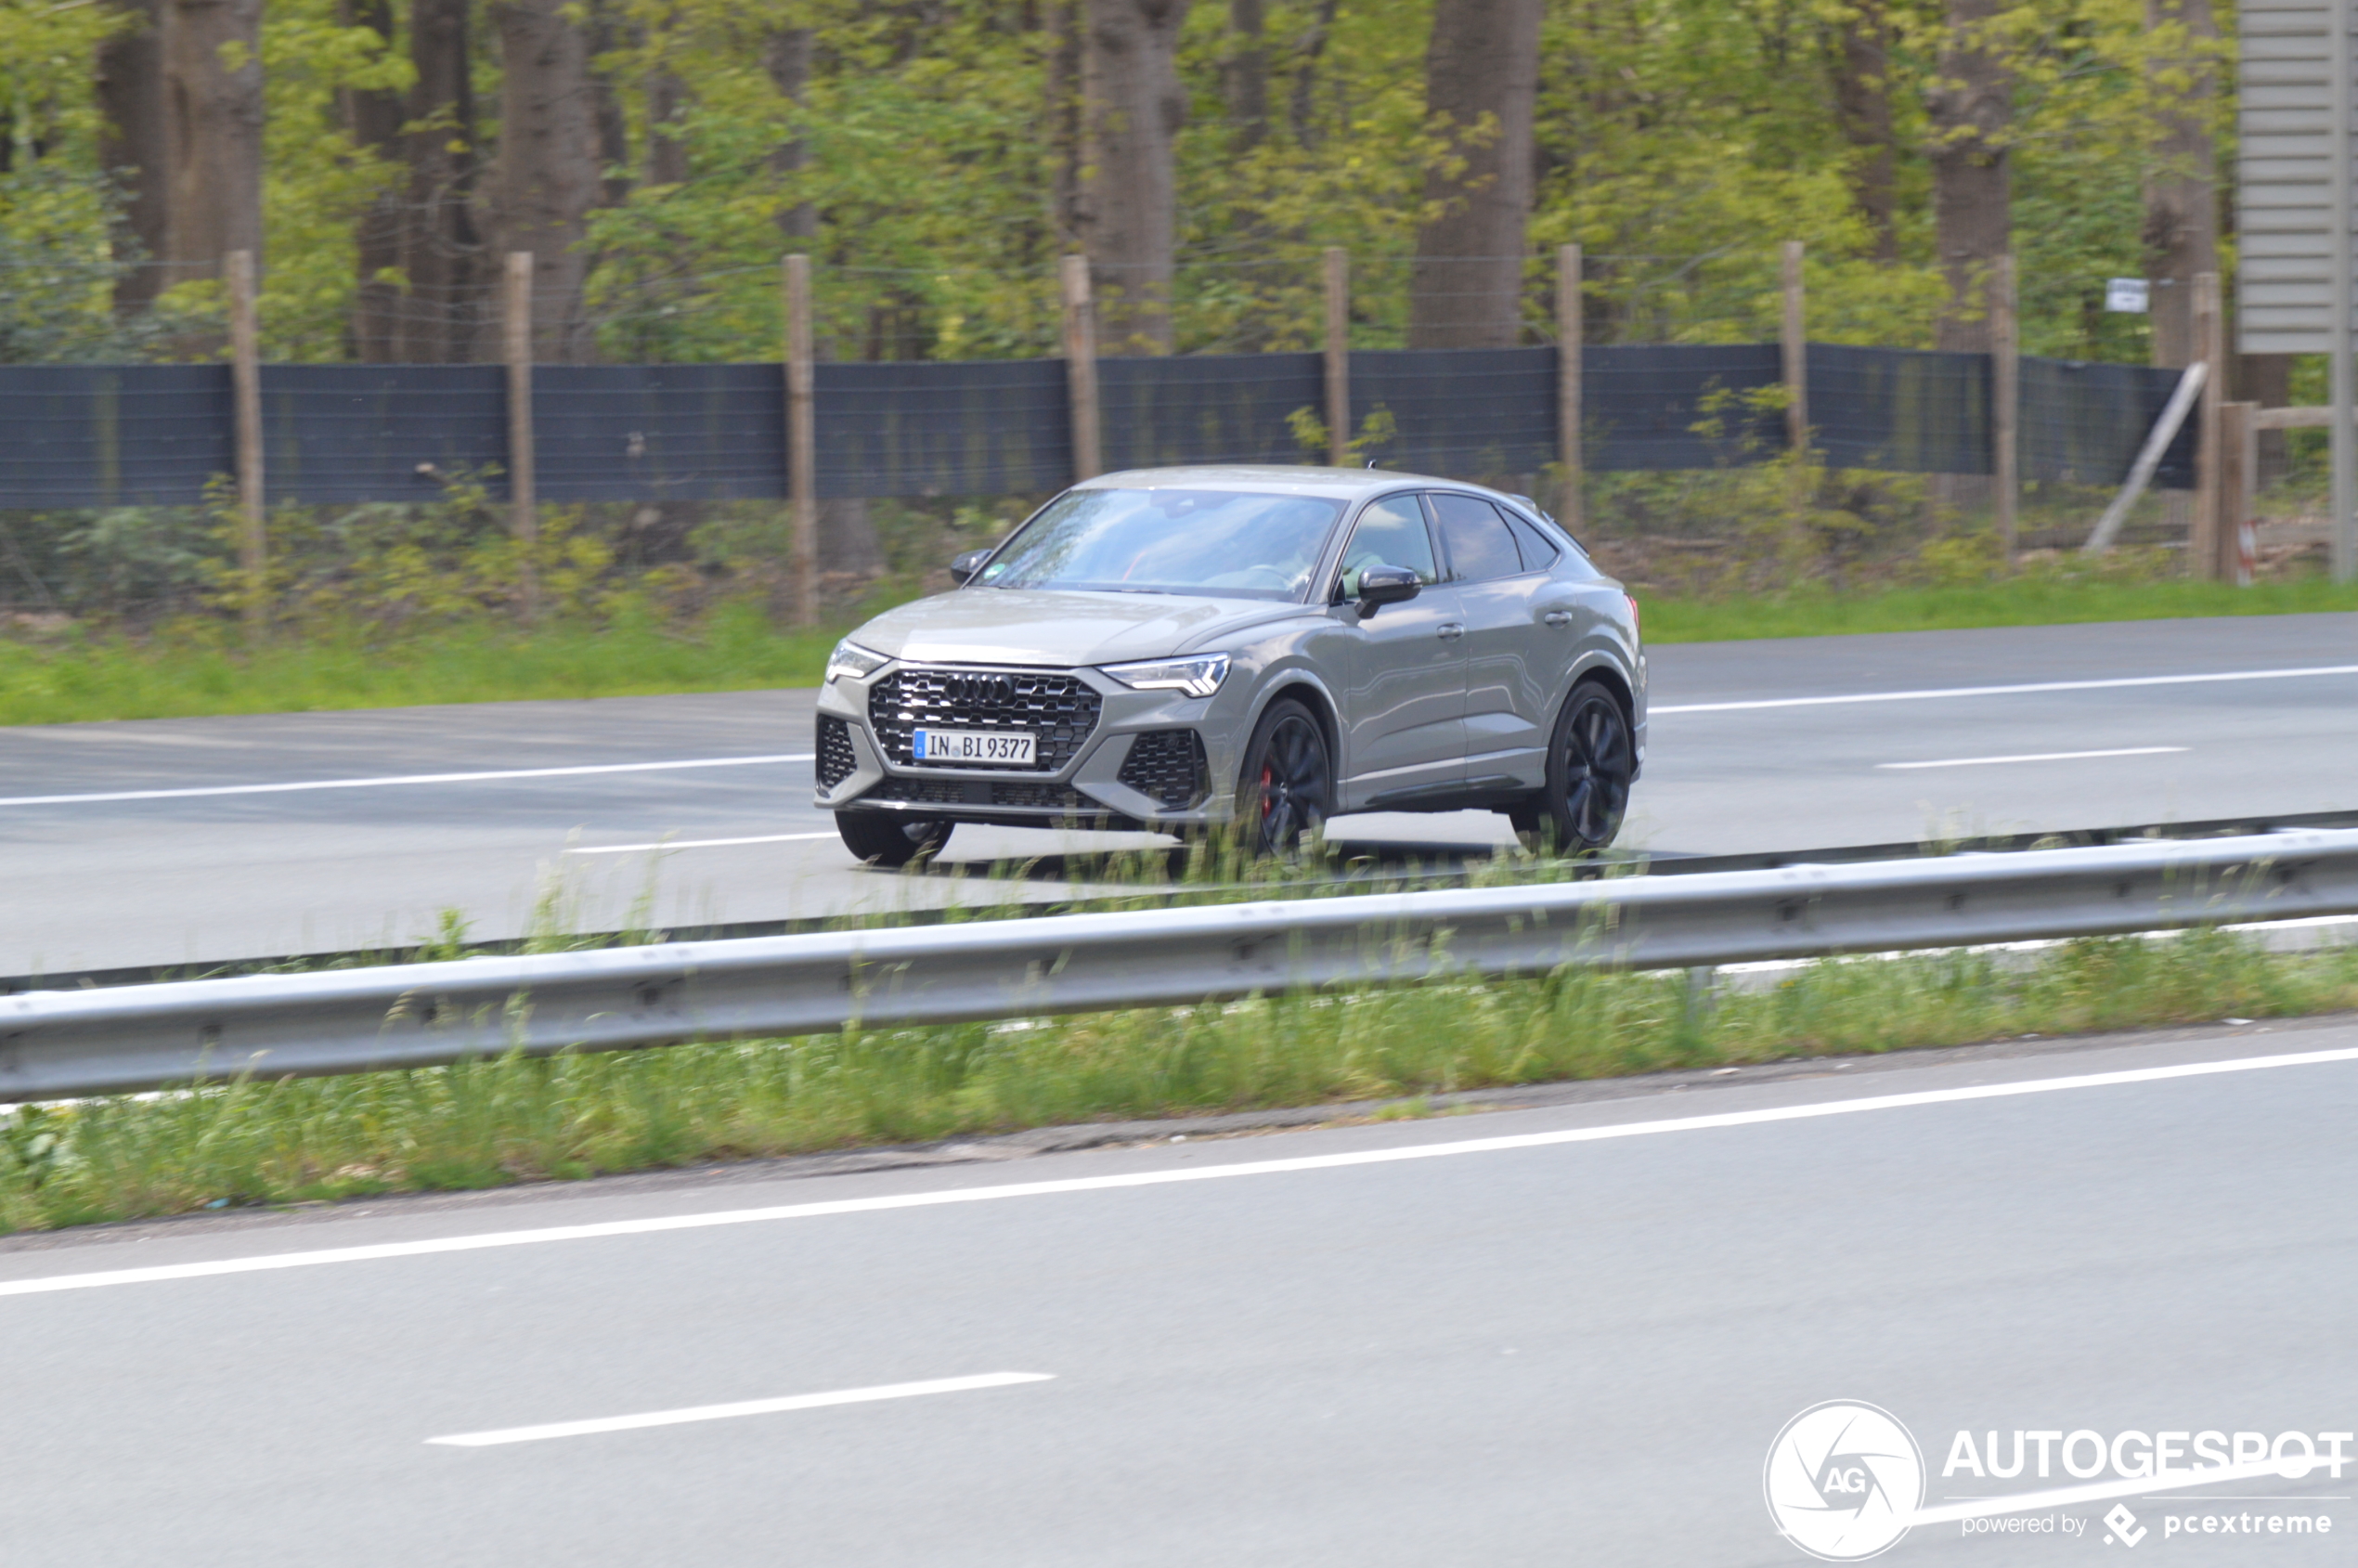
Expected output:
{"points": [[1842, 1480]]}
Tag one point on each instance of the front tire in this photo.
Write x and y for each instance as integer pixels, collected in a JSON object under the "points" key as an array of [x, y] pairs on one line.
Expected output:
{"points": [[1288, 784], [885, 839], [1591, 762]]}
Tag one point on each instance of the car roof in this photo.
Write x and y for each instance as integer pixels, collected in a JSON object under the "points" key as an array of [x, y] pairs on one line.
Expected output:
{"points": [[1343, 484]]}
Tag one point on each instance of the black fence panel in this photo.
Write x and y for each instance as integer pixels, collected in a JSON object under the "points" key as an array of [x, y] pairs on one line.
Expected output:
{"points": [[1901, 411], [2083, 423], [97, 435], [983, 427], [620, 433], [1669, 406], [380, 433], [1208, 408], [1463, 413]]}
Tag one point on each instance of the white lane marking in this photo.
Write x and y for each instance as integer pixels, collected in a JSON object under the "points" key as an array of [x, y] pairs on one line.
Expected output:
{"points": [[403, 779], [2033, 756], [1151, 1178], [2006, 691], [743, 1407], [2137, 1486], [694, 843]]}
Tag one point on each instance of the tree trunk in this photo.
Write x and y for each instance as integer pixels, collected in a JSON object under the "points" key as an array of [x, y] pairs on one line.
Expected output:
{"points": [[1862, 106], [667, 106], [605, 29], [442, 259], [547, 177], [1304, 107], [1062, 117], [1972, 107], [2266, 379], [1482, 83], [373, 120], [214, 113], [1132, 109], [786, 55], [134, 150], [1245, 76], [2182, 192]]}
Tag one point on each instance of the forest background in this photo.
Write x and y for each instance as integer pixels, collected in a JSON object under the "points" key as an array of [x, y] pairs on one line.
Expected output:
{"points": [[936, 158]]}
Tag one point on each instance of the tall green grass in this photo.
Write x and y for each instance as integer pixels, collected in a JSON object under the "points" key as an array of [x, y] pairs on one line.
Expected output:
{"points": [[490, 1122], [2028, 601]]}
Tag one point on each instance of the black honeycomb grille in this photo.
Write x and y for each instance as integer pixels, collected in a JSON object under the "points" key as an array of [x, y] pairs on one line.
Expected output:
{"points": [[837, 762], [1168, 765], [1059, 709]]}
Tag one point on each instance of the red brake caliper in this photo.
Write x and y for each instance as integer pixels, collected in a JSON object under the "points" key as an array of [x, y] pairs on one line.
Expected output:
{"points": [[1268, 777]]}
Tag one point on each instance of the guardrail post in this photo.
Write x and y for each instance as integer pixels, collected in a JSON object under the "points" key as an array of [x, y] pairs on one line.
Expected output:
{"points": [[524, 506], [1571, 343], [245, 388], [802, 440], [1338, 357], [1081, 366]]}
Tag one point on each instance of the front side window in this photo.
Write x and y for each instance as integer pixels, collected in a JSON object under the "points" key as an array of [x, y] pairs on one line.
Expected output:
{"points": [[1390, 533], [1479, 545], [1221, 543]]}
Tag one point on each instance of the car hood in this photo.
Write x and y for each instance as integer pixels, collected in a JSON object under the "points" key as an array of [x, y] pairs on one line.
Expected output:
{"points": [[1059, 628]]}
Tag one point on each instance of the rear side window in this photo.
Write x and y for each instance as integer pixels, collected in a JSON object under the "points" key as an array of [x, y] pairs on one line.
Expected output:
{"points": [[1390, 533], [1537, 553], [1477, 538]]}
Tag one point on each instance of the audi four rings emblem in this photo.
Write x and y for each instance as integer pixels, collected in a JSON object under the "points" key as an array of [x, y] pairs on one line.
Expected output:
{"points": [[978, 688]]}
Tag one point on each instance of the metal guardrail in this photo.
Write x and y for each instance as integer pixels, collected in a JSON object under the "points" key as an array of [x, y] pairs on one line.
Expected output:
{"points": [[1391, 866], [57, 1044]]}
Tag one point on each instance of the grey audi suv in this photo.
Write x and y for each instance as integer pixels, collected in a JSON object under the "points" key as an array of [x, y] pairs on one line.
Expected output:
{"points": [[1189, 649]]}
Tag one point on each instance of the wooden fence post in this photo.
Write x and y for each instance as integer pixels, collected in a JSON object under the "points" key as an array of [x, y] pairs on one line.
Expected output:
{"points": [[1338, 357], [1796, 353], [1571, 341], [802, 440], [2204, 556], [245, 391], [2005, 402], [2238, 472], [524, 510], [1081, 368]]}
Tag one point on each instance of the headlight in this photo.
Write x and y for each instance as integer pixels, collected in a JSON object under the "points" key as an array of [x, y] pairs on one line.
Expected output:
{"points": [[1198, 675], [849, 659]]}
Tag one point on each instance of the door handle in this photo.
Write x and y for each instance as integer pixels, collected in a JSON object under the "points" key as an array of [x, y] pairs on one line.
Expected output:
{"points": [[1448, 629], [1559, 617]]}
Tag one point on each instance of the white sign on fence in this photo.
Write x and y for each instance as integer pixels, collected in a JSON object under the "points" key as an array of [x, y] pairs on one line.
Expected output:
{"points": [[2127, 296]]}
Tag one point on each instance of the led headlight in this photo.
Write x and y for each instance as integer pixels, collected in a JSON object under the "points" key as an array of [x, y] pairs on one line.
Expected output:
{"points": [[849, 659], [1198, 675]]}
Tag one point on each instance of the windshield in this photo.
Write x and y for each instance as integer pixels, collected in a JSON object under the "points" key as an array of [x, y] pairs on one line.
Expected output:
{"points": [[1216, 542]]}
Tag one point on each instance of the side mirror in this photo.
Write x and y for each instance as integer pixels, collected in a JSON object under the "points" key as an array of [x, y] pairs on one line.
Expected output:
{"points": [[963, 567], [1381, 585]]}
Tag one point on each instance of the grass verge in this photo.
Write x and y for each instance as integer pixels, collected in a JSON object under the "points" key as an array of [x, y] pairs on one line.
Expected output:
{"points": [[2028, 601], [206, 672], [491, 1123]]}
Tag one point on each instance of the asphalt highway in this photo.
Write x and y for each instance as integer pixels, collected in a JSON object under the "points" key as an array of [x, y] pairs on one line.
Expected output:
{"points": [[190, 840], [1548, 1336]]}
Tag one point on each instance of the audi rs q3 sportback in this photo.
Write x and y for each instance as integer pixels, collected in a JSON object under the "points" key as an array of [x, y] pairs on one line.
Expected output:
{"points": [[1189, 648]]}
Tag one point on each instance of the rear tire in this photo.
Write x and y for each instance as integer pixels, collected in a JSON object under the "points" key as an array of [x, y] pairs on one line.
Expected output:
{"points": [[886, 839], [1591, 762]]}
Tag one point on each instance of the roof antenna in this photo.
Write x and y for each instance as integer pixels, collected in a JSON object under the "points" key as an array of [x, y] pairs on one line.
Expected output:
{"points": [[1371, 462]]}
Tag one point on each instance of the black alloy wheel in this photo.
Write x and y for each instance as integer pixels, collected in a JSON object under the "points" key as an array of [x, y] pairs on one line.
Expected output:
{"points": [[886, 838], [1591, 760], [1288, 783]]}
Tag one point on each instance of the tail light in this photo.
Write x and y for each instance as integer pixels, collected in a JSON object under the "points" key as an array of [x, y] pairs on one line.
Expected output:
{"points": [[1636, 621]]}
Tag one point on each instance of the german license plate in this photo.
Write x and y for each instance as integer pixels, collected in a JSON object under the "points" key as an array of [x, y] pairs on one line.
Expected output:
{"points": [[1009, 748]]}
